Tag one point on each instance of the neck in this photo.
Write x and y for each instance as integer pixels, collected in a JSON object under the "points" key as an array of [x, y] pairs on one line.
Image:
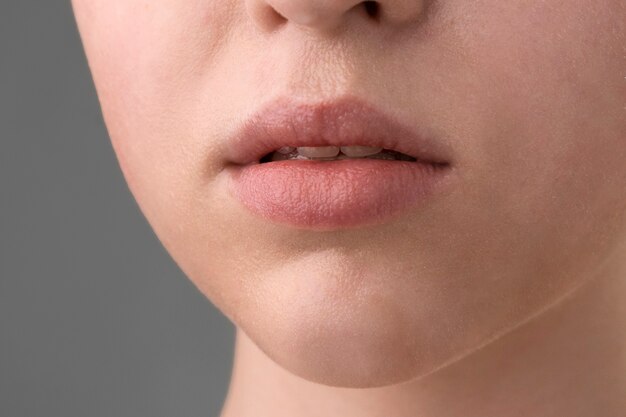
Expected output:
{"points": [[568, 361]]}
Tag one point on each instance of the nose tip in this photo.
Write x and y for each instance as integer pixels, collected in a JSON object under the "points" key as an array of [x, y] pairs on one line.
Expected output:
{"points": [[327, 15], [316, 14]]}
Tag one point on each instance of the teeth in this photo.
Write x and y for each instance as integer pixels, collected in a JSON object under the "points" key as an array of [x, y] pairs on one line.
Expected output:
{"points": [[318, 151], [331, 153], [286, 150], [359, 151]]}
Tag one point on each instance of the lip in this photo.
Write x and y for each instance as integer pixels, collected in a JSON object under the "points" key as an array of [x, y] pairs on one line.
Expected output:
{"points": [[331, 194], [345, 121]]}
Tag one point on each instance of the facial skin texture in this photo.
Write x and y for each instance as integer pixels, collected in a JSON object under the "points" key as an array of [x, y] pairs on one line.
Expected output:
{"points": [[530, 96]]}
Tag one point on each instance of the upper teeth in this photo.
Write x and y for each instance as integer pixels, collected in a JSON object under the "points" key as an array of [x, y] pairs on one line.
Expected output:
{"points": [[318, 151], [286, 150], [358, 151], [332, 151]]}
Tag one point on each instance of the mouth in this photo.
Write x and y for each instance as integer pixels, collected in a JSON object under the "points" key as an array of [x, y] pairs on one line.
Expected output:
{"points": [[332, 165], [334, 153]]}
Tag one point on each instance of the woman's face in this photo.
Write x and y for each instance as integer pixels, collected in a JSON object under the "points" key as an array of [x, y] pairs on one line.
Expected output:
{"points": [[528, 98]]}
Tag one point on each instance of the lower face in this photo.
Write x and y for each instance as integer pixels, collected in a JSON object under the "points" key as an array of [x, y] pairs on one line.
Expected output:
{"points": [[529, 96]]}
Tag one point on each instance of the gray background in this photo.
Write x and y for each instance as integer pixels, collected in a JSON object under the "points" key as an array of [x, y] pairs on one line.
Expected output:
{"points": [[95, 318]]}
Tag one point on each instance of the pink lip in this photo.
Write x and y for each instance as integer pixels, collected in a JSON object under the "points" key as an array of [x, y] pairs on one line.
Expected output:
{"points": [[331, 194]]}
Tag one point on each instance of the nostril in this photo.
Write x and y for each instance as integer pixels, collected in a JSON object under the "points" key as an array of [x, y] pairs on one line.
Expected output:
{"points": [[371, 8]]}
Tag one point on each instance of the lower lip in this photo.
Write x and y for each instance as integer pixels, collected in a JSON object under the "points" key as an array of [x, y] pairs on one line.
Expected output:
{"points": [[334, 194]]}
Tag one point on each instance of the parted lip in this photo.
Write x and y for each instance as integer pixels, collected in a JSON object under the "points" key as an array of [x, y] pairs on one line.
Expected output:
{"points": [[344, 121]]}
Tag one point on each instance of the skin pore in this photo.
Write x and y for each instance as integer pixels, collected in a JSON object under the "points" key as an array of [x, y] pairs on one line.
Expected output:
{"points": [[502, 296]]}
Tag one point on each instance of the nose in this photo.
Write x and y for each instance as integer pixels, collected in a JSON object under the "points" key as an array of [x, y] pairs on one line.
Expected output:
{"points": [[327, 15]]}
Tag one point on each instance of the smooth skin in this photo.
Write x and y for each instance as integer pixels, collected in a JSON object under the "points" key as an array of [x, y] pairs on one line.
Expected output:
{"points": [[504, 296]]}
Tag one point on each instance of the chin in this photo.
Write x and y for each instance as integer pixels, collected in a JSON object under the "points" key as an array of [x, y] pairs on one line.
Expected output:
{"points": [[345, 327], [373, 353], [345, 322]]}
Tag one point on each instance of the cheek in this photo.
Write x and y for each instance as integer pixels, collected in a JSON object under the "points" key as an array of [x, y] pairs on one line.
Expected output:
{"points": [[147, 62], [545, 126]]}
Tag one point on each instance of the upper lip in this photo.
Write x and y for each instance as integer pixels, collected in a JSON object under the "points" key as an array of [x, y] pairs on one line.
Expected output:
{"points": [[341, 122]]}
